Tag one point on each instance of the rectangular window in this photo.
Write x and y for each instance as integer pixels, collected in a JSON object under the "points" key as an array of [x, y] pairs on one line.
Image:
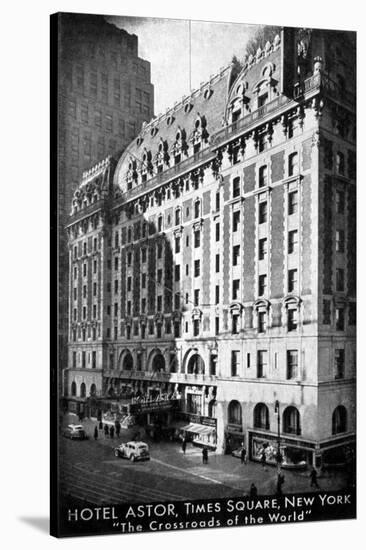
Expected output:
{"points": [[115, 309], [217, 229], [84, 270], [83, 359], [217, 201], [177, 301], [292, 241], [143, 280], [262, 285], [197, 239], [292, 202], [292, 364], [196, 297], [187, 269], [261, 363], [84, 312], [235, 363], [340, 240], [262, 176], [262, 215], [292, 280], [236, 288], [217, 263], [116, 263], [339, 363], [160, 276], [159, 303], [74, 359], [293, 166], [291, 320], [160, 249], [75, 293], [143, 305], [339, 318], [75, 272], [326, 312], [176, 330], [217, 325], [94, 311], [340, 202], [217, 294], [236, 187], [340, 280], [129, 307], [262, 100], [196, 327], [129, 259], [177, 273], [248, 360], [262, 249], [116, 286], [129, 284], [177, 245], [236, 254], [235, 324], [236, 220], [262, 321], [143, 255], [197, 268]]}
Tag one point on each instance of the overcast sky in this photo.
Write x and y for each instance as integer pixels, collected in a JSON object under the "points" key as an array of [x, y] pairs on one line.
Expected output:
{"points": [[165, 43]]}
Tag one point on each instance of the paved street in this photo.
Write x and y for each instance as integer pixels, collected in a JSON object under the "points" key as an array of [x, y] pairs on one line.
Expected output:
{"points": [[90, 472]]}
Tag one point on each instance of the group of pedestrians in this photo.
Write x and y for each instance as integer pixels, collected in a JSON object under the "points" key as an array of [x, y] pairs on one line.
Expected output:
{"points": [[109, 431]]}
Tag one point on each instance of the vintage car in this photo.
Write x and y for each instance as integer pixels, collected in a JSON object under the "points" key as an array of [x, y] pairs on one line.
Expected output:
{"points": [[74, 431], [133, 450]]}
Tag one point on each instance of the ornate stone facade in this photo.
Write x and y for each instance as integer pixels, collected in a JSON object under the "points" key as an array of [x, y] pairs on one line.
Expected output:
{"points": [[225, 255]]}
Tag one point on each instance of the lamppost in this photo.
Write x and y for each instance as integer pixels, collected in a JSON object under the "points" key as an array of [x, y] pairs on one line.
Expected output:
{"points": [[278, 454]]}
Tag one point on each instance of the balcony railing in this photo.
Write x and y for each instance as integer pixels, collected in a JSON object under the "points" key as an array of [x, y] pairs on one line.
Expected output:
{"points": [[178, 169], [176, 377]]}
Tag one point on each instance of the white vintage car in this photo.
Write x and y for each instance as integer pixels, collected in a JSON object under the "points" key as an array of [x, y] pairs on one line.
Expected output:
{"points": [[133, 450]]}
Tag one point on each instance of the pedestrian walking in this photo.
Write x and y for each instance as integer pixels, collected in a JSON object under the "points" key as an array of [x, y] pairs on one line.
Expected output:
{"points": [[280, 482], [111, 432], [118, 427], [263, 459], [204, 456], [184, 445], [314, 478], [106, 430], [243, 455], [95, 433], [253, 492]]}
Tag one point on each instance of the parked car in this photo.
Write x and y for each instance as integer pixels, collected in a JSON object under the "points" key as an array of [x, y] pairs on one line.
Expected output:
{"points": [[75, 431], [133, 450]]}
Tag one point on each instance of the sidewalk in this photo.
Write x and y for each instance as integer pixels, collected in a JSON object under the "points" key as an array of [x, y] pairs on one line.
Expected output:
{"points": [[221, 469]]}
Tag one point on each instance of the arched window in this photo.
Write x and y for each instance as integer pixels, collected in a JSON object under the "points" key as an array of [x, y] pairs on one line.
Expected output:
{"points": [[93, 389], [73, 389], [196, 365], [261, 416], [158, 364], [127, 362], [234, 413], [293, 164], [291, 421], [82, 390], [339, 420]]}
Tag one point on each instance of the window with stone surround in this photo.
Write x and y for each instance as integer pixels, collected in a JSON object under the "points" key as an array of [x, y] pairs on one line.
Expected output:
{"points": [[292, 241], [292, 364], [293, 164], [235, 362], [262, 363]]}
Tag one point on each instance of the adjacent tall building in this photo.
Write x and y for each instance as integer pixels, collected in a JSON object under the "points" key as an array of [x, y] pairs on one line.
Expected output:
{"points": [[104, 96], [212, 271]]}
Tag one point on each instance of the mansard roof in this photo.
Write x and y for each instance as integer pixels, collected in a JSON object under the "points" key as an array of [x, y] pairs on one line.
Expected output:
{"points": [[210, 106]]}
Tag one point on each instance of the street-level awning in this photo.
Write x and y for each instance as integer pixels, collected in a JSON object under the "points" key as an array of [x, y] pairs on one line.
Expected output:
{"points": [[198, 428]]}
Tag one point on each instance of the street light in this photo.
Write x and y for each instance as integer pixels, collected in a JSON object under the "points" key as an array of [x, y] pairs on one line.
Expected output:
{"points": [[278, 454]]}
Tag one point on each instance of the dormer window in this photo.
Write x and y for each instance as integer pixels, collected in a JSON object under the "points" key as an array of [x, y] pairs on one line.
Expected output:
{"points": [[262, 100]]}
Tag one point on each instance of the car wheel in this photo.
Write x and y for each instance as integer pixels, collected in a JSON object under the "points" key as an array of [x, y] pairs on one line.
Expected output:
{"points": [[116, 453], [132, 458]]}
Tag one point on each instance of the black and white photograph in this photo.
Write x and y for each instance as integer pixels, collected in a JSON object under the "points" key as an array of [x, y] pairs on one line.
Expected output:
{"points": [[205, 199]]}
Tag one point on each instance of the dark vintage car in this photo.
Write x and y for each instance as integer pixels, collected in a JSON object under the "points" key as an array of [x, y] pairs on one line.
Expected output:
{"points": [[74, 431], [133, 450]]}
